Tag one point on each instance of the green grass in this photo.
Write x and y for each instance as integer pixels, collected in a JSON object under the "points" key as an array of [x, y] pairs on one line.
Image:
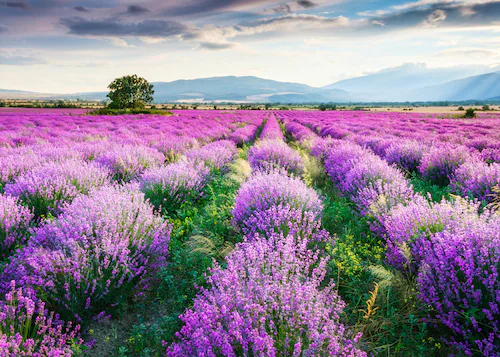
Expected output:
{"points": [[428, 189]]}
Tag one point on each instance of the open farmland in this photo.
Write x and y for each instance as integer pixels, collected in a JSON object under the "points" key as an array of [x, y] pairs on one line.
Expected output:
{"points": [[249, 233]]}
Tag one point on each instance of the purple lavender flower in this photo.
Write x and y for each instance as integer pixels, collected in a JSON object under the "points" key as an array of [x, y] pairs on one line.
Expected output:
{"points": [[14, 224], [275, 154], [491, 155], [417, 220], [127, 162], [49, 187], [244, 135], [217, 155], [28, 329], [476, 180], [104, 249], [460, 280], [268, 302], [172, 185], [288, 221], [173, 147], [440, 162], [406, 154], [266, 190]]}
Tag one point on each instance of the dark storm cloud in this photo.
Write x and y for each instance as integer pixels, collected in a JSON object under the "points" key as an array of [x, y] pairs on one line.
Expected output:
{"points": [[15, 5], [115, 28], [306, 4], [444, 14], [136, 10], [81, 9]]}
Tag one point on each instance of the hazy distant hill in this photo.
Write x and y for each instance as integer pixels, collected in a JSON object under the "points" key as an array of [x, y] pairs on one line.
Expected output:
{"points": [[404, 83], [400, 83], [477, 87], [225, 88]]}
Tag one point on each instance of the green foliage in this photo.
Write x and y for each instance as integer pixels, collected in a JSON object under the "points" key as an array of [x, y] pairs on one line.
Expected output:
{"points": [[324, 107], [460, 108], [486, 107], [470, 113], [426, 188], [130, 92]]}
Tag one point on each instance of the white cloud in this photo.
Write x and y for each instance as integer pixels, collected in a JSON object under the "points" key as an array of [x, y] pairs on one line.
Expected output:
{"points": [[434, 19]]}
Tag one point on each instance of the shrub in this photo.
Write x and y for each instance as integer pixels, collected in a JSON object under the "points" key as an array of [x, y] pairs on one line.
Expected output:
{"points": [[266, 190], [268, 302], [459, 280], [406, 154], [28, 329], [286, 220], [173, 147], [342, 159], [418, 220], [491, 155], [127, 162], [476, 180], [14, 224], [99, 253], [470, 113], [172, 185], [217, 155], [49, 187], [271, 154], [440, 162]]}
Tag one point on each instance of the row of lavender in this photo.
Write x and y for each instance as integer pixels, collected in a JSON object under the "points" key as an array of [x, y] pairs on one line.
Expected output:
{"points": [[452, 249], [270, 300], [81, 236], [462, 154]]}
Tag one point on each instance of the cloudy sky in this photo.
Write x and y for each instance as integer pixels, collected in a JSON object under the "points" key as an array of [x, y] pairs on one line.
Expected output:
{"points": [[64, 46]]}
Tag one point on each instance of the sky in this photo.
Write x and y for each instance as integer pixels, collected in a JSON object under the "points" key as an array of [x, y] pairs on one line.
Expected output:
{"points": [[64, 46]]}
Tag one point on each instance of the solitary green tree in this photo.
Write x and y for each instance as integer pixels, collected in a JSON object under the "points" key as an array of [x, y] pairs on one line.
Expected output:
{"points": [[130, 92]]}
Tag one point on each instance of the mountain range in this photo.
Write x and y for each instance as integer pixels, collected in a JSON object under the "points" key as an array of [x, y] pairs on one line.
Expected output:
{"points": [[409, 82]]}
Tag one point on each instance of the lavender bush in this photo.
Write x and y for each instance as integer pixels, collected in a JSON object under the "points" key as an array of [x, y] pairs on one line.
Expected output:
{"points": [[440, 162], [459, 279], [476, 180], [14, 224], [274, 154], [172, 185], [268, 302], [49, 187], [406, 154], [100, 252], [28, 329], [418, 220], [217, 155], [266, 190], [127, 162]]}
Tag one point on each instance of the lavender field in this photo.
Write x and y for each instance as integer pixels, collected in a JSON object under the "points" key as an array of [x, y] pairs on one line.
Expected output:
{"points": [[249, 233]]}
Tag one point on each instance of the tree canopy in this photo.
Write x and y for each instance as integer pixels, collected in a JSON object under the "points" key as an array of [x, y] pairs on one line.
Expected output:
{"points": [[130, 92]]}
